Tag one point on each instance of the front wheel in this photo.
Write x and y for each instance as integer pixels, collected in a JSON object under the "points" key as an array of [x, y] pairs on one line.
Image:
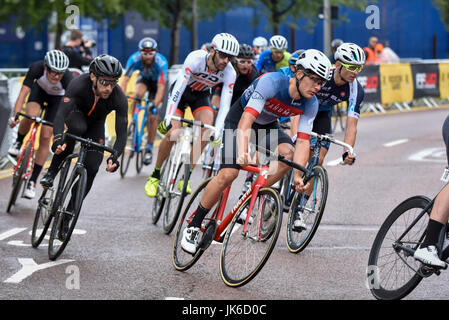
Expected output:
{"points": [[18, 177], [392, 271], [129, 152], [309, 208], [244, 254], [67, 212], [42, 218]]}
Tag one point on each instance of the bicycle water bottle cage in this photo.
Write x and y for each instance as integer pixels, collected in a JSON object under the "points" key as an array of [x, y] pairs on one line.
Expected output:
{"points": [[445, 177]]}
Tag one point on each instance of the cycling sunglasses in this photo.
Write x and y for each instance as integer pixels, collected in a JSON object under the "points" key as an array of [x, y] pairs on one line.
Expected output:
{"points": [[223, 55], [317, 80], [148, 53], [55, 73], [243, 62], [106, 83], [352, 67]]}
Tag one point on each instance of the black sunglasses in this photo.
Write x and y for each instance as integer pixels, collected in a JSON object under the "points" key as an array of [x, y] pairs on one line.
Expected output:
{"points": [[106, 83], [223, 55]]}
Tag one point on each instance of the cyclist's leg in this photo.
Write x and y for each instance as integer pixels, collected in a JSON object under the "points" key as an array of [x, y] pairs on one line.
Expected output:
{"points": [[204, 114], [322, 125], [446, 136], [33, 108]]}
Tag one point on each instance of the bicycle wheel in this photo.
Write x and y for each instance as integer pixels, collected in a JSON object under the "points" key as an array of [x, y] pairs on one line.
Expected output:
{"points": [[68, 207], [244, 255], [182, 260], [128, 153], [42, 218], [159, 201], [175, 197], [139, 160], [17, 179], [392, 271], [311, 210]]}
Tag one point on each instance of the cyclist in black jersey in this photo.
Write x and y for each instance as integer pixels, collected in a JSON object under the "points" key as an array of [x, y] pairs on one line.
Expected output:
{"points": [[439, 216], [87, 102], [45, 82], [246, 74]]}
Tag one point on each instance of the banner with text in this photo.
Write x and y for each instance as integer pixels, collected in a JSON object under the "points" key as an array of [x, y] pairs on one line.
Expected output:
{"points": [[396, 83]]}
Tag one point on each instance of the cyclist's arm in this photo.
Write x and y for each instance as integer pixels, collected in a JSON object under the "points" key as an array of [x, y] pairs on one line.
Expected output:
{"points": [[180, 85], [121, 125], [356, 95], [67, 105], [226, 97], [260, 62], [124, 82], [159, 94], [243, 134], [24, 91], [294, 123], [305, 126], [161, 81]]}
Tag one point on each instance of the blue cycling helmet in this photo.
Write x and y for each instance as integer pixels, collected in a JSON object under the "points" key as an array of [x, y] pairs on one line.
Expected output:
{"points": [[295, 55]]}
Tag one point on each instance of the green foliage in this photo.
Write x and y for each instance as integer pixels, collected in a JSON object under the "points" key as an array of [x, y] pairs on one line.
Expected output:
{"points": [[443, 6]]}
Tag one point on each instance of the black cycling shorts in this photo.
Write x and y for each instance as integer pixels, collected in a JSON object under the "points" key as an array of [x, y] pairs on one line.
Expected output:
{"points": [[196, 100], [151, 86], [47, 102]]}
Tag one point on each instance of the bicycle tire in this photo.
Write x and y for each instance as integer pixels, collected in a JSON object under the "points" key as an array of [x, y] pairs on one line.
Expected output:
{"points": [[126, 156], [159, 200], [181, 260], [78, 179], [171, 216], [139, 160], [298, 241], [415, 205], [231, 266], [44, 215], [17, 179]]}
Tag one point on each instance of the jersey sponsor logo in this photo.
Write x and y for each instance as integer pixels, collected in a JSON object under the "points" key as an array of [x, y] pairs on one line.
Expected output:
{"points": [[188, 71], [66, 99], [231, 86], [256, 95], [277, 107]]}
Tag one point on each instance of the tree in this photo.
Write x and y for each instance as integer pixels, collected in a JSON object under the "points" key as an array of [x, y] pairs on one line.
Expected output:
{"points": [[279, 11], [31, 14], [443, 6]]}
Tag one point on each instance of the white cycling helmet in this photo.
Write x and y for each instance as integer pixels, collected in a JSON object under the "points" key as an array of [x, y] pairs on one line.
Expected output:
{"points": [[56, 60], [227, 43], [260, 42], [350, 53], [278, 43], [316, 61]]}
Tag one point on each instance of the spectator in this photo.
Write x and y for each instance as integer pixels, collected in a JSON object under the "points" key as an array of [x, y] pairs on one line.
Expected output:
{"points": [[334, 45], [370, 51], [386, 54], [78, 52]]}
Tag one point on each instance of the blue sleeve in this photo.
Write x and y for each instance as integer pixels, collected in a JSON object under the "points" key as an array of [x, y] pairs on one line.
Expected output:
{"points": [[130, 65]]}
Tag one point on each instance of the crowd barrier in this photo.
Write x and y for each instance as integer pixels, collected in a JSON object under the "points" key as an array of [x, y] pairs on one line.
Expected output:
{"points": [[400, 84]]}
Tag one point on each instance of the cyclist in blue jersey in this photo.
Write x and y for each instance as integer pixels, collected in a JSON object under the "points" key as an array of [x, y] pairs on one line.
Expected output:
{"points": [[268, 98], [343, 86], [275, 57], [288, 71], [153, 68]]}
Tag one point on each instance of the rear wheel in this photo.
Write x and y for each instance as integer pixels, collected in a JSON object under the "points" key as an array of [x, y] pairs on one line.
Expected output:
{"points": [[243, 255], [18, 177]]}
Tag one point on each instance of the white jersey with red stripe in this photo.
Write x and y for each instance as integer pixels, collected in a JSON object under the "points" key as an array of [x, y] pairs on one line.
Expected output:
{"points": [[196, 75], [268, 99]]}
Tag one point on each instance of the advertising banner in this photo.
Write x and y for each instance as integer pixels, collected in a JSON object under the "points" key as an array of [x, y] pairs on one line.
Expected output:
{"points": [[396, 83], [425, 80], [369, 78], [444, 80]]}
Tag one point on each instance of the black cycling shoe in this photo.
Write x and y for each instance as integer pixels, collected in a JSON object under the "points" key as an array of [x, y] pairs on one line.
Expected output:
{"points": [[62, 233], [48, 179]]}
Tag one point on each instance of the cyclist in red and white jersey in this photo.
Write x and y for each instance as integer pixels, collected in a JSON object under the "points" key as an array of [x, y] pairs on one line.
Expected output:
{"points": [[200, 72]]}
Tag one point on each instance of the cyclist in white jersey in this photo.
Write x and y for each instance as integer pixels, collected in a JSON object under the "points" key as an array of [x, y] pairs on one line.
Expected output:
{"points": [[201, 71]]}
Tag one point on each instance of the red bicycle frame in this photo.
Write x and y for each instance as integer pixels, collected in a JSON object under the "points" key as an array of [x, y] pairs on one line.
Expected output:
{"points": [[22, 154], [260, 182]]}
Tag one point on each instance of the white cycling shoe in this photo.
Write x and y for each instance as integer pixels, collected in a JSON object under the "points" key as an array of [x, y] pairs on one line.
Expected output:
{"points": [[429, 255], [189, 242]]}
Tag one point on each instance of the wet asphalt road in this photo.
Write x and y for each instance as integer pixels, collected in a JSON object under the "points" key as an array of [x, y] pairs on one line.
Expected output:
{"points": [[117, 253]]}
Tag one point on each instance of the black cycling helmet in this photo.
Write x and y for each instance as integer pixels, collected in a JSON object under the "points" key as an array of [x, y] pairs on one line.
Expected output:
{"points": [[106, 66], [246, 51], [336, 43]]}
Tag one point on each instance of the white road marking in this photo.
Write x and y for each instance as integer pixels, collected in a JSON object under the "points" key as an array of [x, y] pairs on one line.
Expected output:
{"points": [[29, 266], [10, 233], [173, 298], [430, 155], [395, 143], [334, 163]]}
